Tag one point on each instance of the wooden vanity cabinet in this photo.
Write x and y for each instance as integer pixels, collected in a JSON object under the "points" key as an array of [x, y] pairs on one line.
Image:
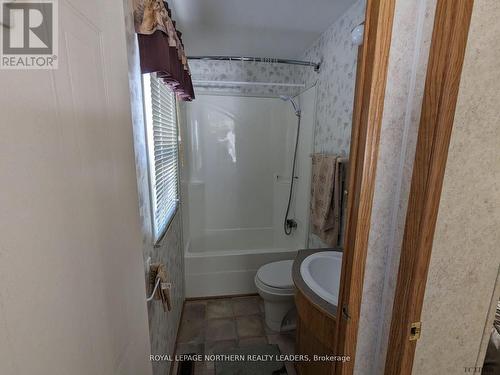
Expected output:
{"points": [[315, 336]]}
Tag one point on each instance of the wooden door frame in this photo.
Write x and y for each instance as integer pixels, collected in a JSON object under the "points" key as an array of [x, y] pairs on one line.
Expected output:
{"points": [[369, 97], [449, 39]]}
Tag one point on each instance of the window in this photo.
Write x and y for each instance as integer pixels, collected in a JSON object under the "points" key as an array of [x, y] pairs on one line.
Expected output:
{"points": [[162, 145]]}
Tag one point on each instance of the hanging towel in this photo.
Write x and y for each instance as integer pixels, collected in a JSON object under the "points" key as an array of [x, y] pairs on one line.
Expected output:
{"points": [[326, 197], [159, 271]]}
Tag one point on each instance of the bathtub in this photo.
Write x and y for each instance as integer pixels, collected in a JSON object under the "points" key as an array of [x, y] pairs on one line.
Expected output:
{"points": [[224, 262]]}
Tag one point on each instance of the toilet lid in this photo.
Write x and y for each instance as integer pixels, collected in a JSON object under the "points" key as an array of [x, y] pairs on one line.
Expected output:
{"points": [[277, 274]]}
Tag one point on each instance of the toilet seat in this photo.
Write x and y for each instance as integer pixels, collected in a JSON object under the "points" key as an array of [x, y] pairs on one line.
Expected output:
{"points": [[276, 277]]}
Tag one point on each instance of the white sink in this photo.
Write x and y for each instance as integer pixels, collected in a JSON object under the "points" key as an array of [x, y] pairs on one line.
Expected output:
{"points": [[321, 273]]}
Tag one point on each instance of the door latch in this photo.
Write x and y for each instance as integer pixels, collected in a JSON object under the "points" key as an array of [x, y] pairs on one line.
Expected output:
{"points": [[415, 330], [345, 312]]}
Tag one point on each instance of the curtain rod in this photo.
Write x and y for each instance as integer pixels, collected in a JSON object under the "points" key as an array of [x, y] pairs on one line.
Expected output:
{"points": [[246, 83], [316, 66]]}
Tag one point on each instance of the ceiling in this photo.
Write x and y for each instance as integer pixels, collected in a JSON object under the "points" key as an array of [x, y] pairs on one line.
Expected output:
{"points": [[261, 28]]}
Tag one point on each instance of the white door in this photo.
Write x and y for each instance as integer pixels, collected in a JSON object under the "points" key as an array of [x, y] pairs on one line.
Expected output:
{"points": [[72, 296]]}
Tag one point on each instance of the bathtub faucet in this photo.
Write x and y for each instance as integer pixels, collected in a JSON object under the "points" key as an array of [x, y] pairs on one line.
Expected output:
{"points": [[291, 224]]}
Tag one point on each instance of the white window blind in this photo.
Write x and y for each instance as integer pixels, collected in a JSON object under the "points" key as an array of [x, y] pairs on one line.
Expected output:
{"points": [[162, 144]]}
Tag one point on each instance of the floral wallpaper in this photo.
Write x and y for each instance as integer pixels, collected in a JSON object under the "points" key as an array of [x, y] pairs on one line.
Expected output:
{"points": [[335, 84], [335, 81], [237, 71], [162, 325]]}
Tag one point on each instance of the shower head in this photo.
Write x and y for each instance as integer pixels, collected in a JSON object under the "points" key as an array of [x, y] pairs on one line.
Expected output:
{"points": [[296, 108]]}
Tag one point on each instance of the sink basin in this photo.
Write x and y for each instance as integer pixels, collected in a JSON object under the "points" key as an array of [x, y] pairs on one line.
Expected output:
{"points": [[321, 273]]}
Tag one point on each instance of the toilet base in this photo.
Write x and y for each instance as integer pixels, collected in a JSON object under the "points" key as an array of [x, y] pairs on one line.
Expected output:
{"points": [[278, 294], [276, 311]]}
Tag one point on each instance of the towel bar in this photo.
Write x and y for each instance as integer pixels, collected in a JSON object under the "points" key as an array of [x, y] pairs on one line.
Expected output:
{"points": [[148, 299], [163, 286], [342, 159], [157, 284]]}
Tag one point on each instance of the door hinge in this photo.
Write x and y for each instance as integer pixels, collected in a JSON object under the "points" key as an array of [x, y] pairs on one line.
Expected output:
{"points": [[415, 330], [345, 312]]}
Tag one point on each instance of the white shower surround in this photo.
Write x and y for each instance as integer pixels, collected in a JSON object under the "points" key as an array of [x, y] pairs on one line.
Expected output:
{"points": [[238, 153]]}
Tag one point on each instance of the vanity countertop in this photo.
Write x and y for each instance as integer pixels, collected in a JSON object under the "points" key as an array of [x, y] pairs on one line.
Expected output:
{"points": [[300, 284]]}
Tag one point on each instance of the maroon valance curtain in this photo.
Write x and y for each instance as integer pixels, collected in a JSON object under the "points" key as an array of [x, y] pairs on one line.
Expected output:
{"points": [[161, 48]]}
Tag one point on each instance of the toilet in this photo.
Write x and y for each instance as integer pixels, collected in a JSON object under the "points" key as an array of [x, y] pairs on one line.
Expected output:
{"points": [[275, 286]]}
